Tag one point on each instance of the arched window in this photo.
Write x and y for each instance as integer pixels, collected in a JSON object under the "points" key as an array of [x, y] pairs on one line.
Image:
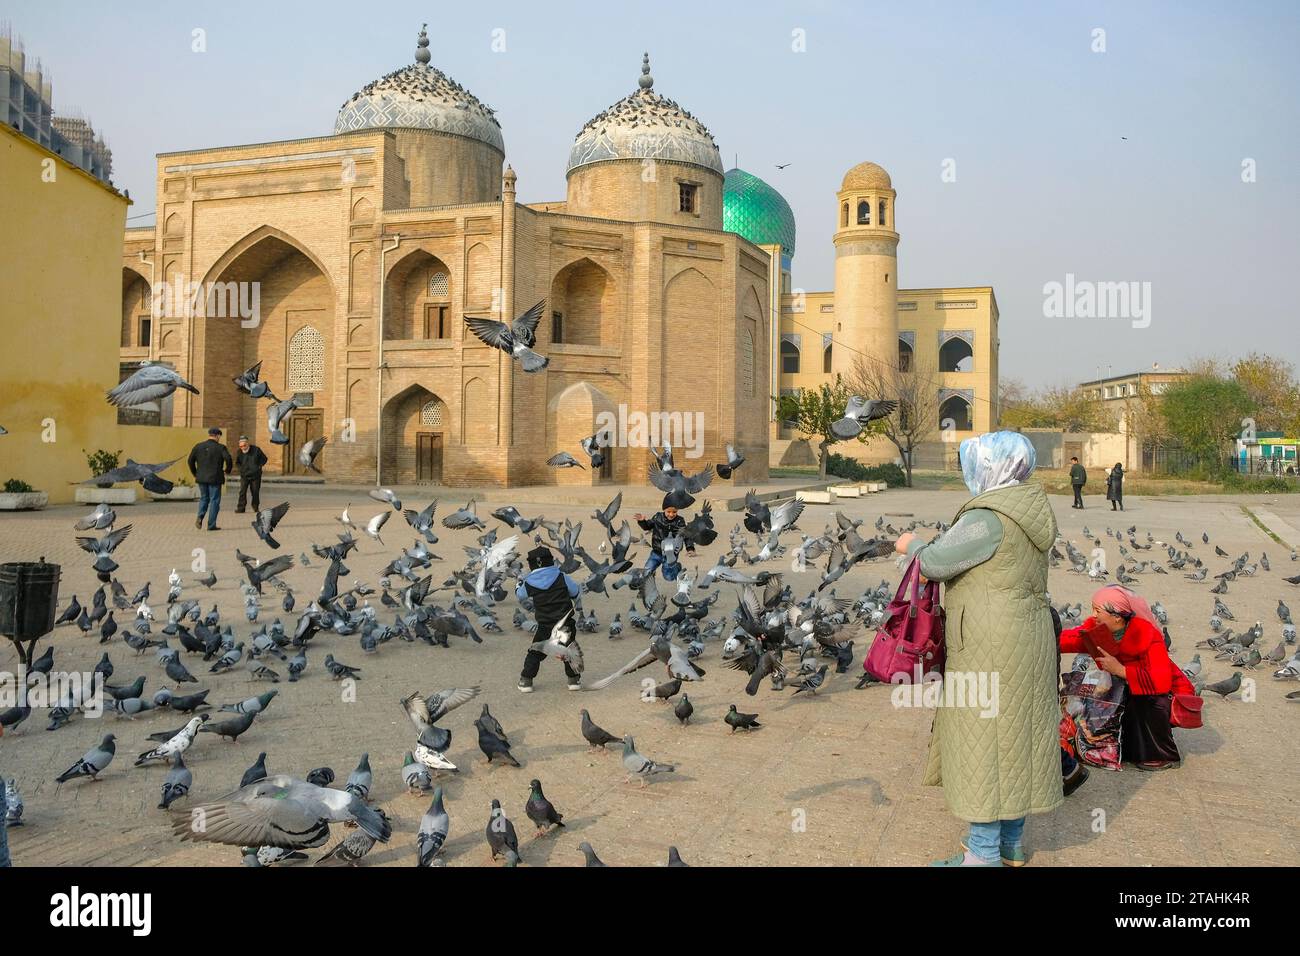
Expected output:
{"points": [[904, 355], [956, 355], [881, 218], [789, 358], [864, 213], [826, 359], [844, 215], [431, 413], [306, 361], [956, 412]]}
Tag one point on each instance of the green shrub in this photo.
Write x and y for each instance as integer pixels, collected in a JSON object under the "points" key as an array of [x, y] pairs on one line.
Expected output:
{"points": [[15, 487], [1260, 484], [852, 469], [101, 461]]}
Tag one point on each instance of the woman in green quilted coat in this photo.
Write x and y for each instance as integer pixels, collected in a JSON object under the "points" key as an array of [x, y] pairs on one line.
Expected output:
{"points": [[996, 764]]}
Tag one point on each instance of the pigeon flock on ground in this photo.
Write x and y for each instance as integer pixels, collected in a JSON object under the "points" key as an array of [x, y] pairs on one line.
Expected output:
{"points": [[734, 618]]}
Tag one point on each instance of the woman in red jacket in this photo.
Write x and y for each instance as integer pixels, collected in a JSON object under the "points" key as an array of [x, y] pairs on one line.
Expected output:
{"points": [[1125, 639]]}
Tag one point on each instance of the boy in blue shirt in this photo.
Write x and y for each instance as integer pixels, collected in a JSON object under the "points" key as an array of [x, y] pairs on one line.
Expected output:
{"points": [[552, 593]]}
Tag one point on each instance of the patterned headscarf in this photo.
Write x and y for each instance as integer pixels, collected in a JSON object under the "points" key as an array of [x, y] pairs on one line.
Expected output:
{"points": [[1114, 599], [995, 460]]}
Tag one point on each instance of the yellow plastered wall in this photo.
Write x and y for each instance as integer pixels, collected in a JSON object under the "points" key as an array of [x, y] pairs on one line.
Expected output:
{"points": [[61, 266]]}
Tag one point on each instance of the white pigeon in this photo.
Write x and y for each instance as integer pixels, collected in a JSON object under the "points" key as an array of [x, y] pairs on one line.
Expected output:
{"points": [[174, 579], [345, 519], [374, 525], [177, 745]]}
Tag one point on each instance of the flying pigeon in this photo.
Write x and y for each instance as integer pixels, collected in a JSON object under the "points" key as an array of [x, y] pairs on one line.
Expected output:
{"points": [[277, 413], [308, 452], [148, 384], [279, 811], [248, 383], [515, 339], [858, 413]]}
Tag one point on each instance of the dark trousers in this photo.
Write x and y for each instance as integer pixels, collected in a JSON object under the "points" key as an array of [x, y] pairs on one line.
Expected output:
{"points": [[533, 659], [247, 484], [1078, 495]]}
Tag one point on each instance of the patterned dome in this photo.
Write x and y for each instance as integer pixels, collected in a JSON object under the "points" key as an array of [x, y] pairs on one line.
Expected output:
{"points": [[420, 97], [866, 176], [645, 125], [753, 209]]}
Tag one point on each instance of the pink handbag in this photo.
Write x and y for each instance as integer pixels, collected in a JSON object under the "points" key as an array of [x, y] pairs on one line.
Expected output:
{"points": [[912, 634]]}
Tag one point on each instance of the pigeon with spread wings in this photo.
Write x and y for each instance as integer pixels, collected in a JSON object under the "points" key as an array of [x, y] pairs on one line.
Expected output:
{"points": [[514, 339], [249, 384], [675, 481], [147, 385], [859, 412]]}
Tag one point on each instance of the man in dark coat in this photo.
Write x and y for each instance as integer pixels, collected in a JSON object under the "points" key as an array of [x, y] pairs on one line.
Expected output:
{"points": [[552, 593], [250, 462], [209, 464], [1078, 478]]}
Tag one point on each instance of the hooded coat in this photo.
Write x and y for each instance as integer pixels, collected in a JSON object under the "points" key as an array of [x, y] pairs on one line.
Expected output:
{"points": [[999, 622]]}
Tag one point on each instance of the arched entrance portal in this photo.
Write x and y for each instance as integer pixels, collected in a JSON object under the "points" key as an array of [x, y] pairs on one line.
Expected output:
{"points": [[417, 428], [289, 328]]}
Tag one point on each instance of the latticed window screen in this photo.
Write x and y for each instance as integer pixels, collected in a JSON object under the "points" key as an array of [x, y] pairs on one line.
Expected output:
{"points": [[747, 364], [306, 361], [431, 413], [438, 285]]}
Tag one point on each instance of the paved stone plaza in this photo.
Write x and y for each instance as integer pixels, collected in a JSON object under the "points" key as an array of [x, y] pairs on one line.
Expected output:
{"points": [[845, 763]]}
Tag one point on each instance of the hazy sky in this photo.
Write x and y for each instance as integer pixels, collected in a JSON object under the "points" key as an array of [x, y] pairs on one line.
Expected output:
{"points": [[1034, 120]]}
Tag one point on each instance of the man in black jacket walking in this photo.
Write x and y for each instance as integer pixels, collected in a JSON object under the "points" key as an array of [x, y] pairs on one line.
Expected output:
{"points": [[552, 593], [1078, 478], [209, 464], [249, 461]]}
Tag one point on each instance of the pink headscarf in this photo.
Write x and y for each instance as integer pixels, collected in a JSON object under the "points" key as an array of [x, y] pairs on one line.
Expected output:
{"points": [[1120, 600]]}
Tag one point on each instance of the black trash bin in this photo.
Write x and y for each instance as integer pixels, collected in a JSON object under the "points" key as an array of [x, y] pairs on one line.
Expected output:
{"points": [[29, 598]]}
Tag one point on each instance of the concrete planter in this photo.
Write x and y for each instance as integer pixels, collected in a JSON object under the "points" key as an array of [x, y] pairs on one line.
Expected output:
{"points": [[179, 493], [846, 491], [814, 497], [90, 495], [23, 500]]}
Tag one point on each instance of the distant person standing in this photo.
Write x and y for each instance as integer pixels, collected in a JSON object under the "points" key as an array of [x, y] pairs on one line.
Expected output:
{"points": [[1115, 487], [250, 461], [662, 525], [209, 464], [1078, 478]]}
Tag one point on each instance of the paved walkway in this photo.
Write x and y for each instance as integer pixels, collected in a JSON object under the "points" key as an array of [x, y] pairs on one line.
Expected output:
{"points": [[831, 779]]}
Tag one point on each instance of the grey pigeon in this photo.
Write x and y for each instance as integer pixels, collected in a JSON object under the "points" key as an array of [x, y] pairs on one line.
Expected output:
{"points": [[540, 810], [500, 832], [177, 783], [279, 811], [95, 761], [638, 765], [590, 854], [434, 826], [597, 737], [150, 383]]}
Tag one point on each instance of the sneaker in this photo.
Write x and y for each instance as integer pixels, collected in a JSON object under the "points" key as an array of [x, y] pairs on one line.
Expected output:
{"points": [[575, 684], [960, 860], [1011, 856], [198, 523], [525, 685]]}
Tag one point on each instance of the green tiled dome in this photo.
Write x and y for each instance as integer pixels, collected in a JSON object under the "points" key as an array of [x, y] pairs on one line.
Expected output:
{"points": [[753, 209]]}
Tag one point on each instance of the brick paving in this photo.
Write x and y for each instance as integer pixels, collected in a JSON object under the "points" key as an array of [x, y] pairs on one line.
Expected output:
{"points": [[831, 779]]}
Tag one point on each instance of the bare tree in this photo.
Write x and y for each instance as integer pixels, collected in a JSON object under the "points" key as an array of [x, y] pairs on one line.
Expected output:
{"points": [[917, 391]]}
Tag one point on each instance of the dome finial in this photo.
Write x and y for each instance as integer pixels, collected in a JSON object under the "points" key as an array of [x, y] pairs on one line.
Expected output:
{"points": [[422, 54], [646, 81]]}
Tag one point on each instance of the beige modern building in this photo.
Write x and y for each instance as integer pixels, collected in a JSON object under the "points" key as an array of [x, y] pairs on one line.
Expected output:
{"points": [[348, 263], [948, 334], [1117, 393]]}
